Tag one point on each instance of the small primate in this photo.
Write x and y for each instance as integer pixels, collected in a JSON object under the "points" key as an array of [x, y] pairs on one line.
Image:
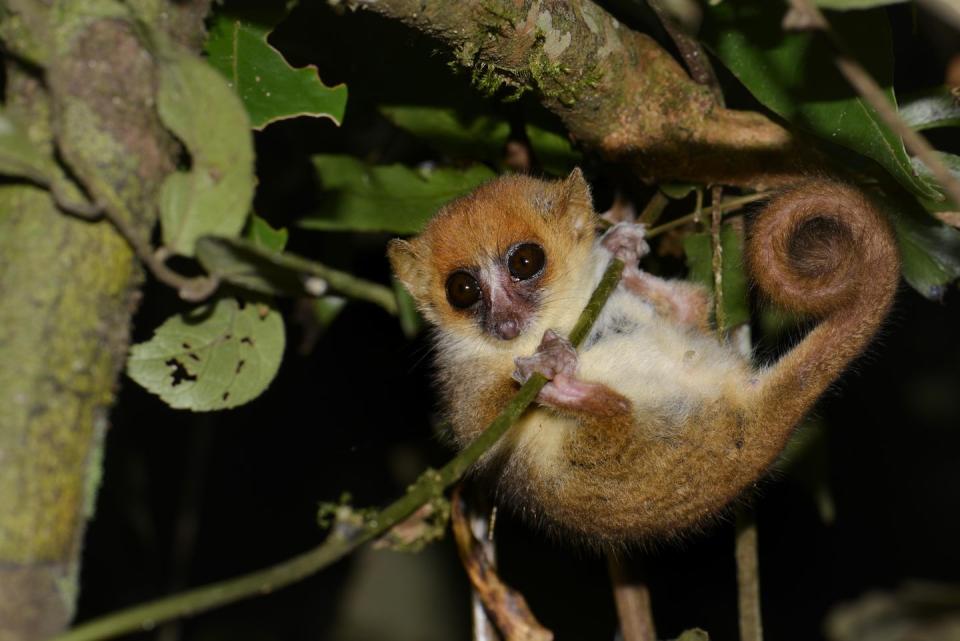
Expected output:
{"points": [[655, 425]]}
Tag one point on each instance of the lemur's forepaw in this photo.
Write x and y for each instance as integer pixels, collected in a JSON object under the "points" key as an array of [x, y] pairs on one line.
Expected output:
{"points": [[554, 356], [627, 241]]}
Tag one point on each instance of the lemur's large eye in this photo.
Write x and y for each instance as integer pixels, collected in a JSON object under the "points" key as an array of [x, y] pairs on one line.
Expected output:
{"points": [[463, 290], [526, 261]]}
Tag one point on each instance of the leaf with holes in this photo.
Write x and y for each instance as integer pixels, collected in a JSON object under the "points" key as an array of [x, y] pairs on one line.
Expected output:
{"points": [[794, 75], [20, 157], [392, 198], [213, 357], [214, 196], [698, 248], [271, 90]]}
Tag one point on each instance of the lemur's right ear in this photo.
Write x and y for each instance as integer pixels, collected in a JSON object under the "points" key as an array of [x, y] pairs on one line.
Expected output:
{"points": [[409, 267]]}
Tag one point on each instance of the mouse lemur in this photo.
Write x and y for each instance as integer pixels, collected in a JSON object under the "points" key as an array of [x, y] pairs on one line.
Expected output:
{"points": [[655, 425]]}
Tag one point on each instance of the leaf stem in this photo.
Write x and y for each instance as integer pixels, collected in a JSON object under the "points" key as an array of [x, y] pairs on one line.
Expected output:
{"points": [[347, 284], [726, 206], [748, 576], [344, 538]]}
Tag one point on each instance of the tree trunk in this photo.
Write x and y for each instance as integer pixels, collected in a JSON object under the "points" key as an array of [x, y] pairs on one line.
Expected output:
{"points": [[82, 81]]}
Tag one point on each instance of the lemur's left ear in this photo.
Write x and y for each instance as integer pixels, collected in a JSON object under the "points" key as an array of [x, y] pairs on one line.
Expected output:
{"points": [[576, 203]]}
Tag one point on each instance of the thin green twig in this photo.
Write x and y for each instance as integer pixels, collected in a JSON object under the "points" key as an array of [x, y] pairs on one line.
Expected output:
{"points": [[726, 206], [346, 535]]}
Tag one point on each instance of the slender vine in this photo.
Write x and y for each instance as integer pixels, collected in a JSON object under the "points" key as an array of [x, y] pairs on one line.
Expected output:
{"points": [[349, 530]]}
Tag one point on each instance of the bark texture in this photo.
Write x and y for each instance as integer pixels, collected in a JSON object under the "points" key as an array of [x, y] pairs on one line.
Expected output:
{"points": [[69, 287], [616, 90]]}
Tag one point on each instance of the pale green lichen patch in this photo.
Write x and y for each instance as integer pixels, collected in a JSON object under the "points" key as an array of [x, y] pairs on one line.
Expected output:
{"points": [[555, 41]]}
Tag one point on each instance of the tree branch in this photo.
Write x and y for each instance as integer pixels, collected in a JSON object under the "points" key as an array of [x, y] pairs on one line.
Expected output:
{"points": [[616, 91]]}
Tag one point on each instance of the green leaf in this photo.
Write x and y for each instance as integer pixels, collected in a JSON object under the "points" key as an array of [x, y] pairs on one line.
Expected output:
{"points": [[929, 250], [247, 265], [20, 157], [466, 133], [694, 634], [794, 75], [410, 320], [261, 234], [677, 191], [390, 198], [270, 88], [933, 108], [555, 152], [455, 133], [845, 5], [806, 459], [213, 357], [326, 309], [214, 196], [952, 164], [700, 263]]}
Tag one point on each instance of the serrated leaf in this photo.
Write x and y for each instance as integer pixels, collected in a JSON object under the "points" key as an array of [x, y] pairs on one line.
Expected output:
{"points": [[271, 89], [245, 264], [937, 107], [214, 197], [20, 157], [214, 357], [929, 251], [794, 75], [390, 198], [261, 234], [700, 264]]}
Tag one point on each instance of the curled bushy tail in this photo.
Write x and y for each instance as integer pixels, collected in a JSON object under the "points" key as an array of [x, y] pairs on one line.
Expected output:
{"points": [[821, 249]]}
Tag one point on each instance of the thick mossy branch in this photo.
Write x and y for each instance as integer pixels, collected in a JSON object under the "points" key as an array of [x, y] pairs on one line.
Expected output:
{"points": [[351, 531], [616, 90]]}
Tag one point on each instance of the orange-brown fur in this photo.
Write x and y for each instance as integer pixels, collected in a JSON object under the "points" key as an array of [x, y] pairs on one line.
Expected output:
{"points": [[689, 445]]}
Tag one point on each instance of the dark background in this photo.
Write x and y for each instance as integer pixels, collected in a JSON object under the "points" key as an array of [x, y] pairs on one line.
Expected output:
{"points": [[194, 498]]}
